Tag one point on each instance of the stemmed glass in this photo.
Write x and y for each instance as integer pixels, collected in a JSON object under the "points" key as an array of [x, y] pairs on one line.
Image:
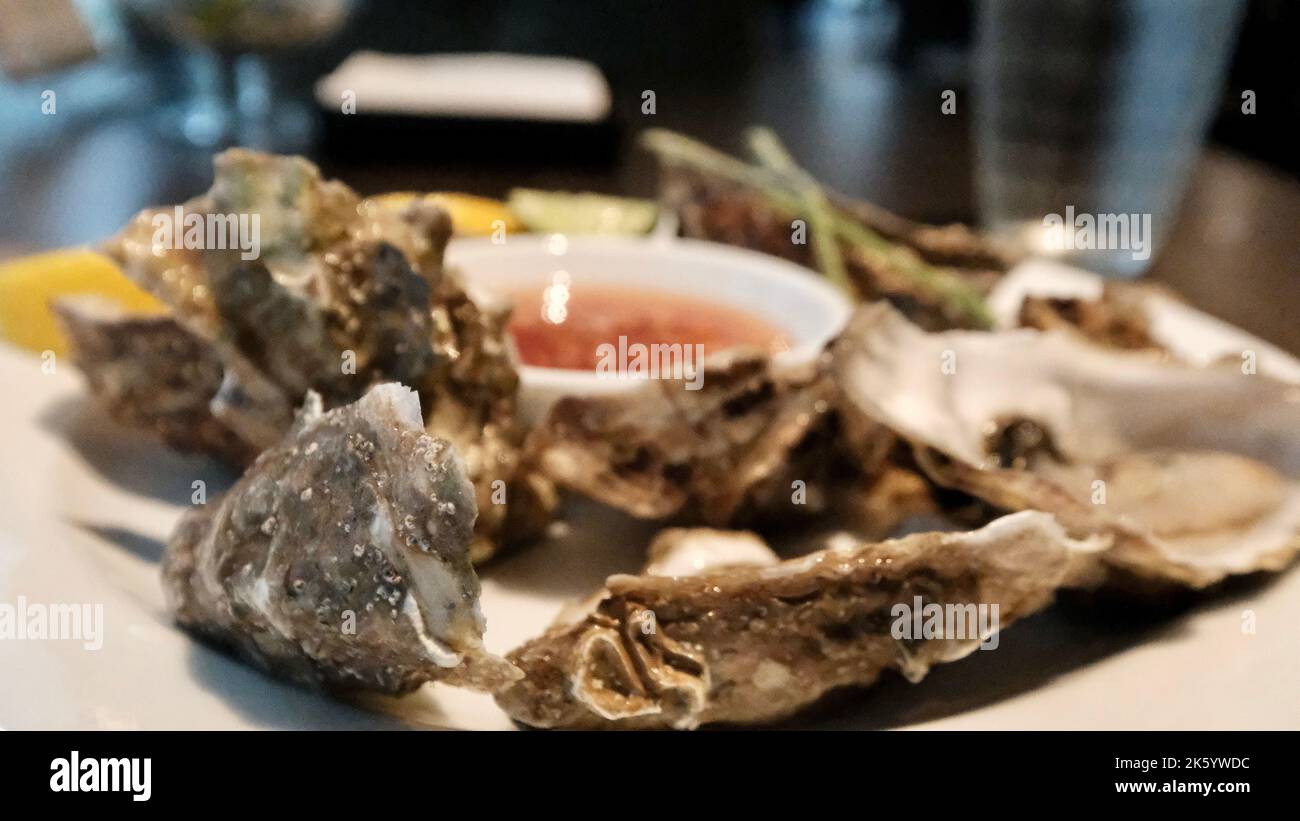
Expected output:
{"points": [[226, 43]]}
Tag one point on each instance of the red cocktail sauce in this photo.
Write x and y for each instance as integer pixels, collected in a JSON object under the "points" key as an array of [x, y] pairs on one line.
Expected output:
{"points": [[563, 326]]}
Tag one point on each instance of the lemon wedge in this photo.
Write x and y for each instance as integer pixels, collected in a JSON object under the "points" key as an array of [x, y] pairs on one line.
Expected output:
{"points": [[29, 284], [471, 216]]}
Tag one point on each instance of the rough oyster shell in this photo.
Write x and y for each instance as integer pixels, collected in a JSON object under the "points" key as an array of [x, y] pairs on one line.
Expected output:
{"points": [[1195, 472], [151, 373], [748, 639], [341, 558], [343, 294], [727, 452]]}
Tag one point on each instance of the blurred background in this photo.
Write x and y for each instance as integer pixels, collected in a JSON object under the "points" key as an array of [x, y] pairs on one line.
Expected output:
{"points": [[990, 112]]}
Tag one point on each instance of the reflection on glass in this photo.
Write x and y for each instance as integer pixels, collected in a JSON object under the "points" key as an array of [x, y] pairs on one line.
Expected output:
{"points": [[1092, 112]]}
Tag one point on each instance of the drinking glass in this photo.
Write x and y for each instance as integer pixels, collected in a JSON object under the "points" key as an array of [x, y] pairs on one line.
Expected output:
{"points": [[1091, 110]]}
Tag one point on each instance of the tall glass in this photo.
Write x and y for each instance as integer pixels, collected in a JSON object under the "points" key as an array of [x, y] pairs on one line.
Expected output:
{"points": [[1090, 116]]}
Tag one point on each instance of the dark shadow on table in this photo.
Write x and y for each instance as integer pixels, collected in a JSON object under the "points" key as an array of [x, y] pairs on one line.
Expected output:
{"points": [[130, 458], [594, 543], [269, 703], [139, 545]]}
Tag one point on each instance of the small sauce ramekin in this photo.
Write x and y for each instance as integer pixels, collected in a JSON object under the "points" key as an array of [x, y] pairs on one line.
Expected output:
{"points": [[806, 308]]}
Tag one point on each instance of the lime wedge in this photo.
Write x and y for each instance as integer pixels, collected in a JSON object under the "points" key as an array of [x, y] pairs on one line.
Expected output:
{"points": [[567, 213]]}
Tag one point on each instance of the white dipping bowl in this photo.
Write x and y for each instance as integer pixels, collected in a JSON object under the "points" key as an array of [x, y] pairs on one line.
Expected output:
{"points": [[804, 306]]}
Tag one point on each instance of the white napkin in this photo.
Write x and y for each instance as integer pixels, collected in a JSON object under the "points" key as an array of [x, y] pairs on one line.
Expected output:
{"points": [[497, 86]]}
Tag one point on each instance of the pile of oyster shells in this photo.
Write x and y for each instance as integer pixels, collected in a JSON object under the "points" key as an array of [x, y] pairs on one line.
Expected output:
{"points": [[371, 403]]}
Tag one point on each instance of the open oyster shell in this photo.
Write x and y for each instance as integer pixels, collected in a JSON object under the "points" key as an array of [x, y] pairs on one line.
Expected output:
{"points": [[341, 558], [729, 452], [1194, 472], [734, 636]]}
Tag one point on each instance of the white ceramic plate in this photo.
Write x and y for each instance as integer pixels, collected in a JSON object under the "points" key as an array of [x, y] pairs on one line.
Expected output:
{"points": [[85, 506]]}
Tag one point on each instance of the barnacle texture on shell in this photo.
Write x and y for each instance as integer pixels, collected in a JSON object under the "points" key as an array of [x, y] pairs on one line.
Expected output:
{"points": [[335, 298], [340, 559], [1194, 472], [341, 294], [748, 639]]}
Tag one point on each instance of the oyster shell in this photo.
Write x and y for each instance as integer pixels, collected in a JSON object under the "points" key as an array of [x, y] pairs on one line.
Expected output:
{"points": [[736, 636], [1194, 472], [343, 294], [1117, 318], [728, 452], [340, 559], [472, 404], [336, 299], [151, 373]]}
